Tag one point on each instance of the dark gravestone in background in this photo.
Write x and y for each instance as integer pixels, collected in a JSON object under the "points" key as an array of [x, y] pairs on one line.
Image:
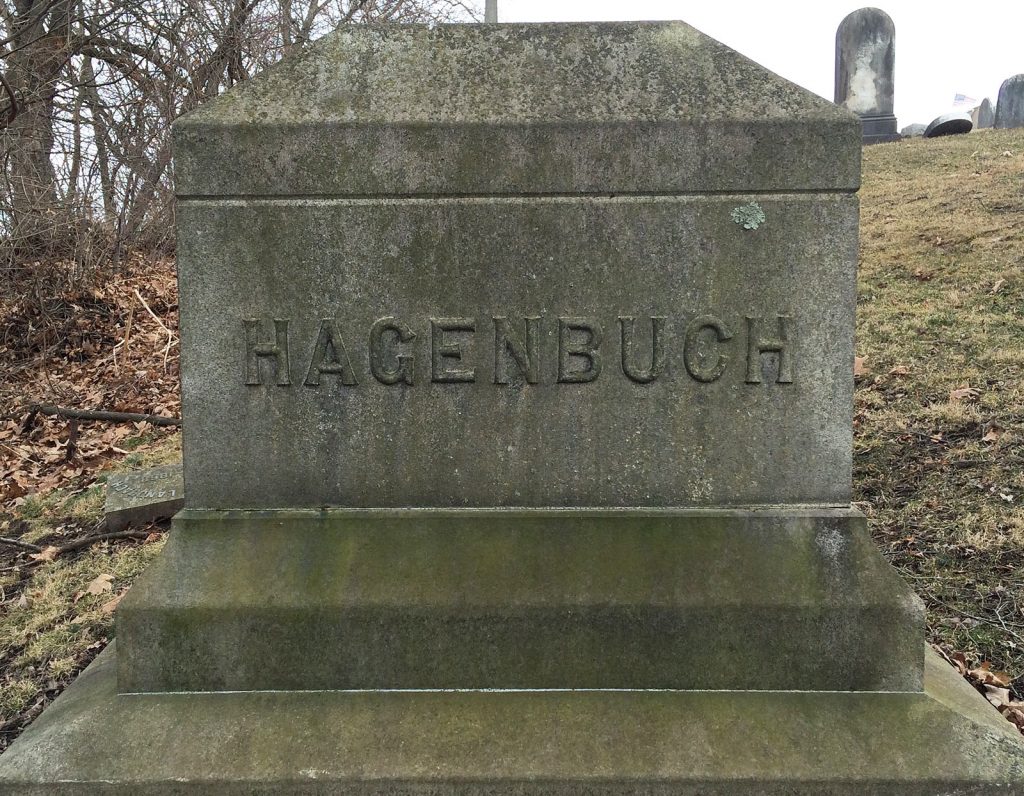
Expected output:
{"points": [[865, 69], [1010, 106], [956, 123]]}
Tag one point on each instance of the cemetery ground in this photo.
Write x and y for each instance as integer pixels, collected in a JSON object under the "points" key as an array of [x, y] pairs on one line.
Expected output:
{"points": [[939, 422]]}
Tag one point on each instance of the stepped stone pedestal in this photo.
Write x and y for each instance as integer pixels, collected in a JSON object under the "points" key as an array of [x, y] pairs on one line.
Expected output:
{"points": [[517, 386]]}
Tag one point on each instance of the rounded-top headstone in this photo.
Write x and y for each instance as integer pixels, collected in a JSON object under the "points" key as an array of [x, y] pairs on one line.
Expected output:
{"points": [[913, 130], [1010, 106], [986, 115], [949, 124], [865, 70]]}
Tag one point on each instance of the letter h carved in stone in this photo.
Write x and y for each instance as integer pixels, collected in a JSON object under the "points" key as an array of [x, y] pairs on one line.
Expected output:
{"points": [[759, 343], [276, 352]]}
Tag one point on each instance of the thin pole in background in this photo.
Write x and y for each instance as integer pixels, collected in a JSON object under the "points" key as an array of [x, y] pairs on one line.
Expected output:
{"points": [[490, 11]]}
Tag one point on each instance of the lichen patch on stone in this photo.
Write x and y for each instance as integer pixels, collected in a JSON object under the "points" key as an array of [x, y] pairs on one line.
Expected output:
{"points": [[750, 216]]}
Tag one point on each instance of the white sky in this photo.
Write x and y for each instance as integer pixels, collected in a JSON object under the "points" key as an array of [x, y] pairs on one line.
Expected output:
{"points": [[942, 47]]}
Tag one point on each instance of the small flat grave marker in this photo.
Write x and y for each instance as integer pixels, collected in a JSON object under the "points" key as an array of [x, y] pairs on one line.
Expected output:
{"points": [[142, 496]]}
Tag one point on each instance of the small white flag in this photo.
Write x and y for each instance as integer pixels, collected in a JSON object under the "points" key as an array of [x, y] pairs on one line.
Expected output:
{"points": [[963, 101]]}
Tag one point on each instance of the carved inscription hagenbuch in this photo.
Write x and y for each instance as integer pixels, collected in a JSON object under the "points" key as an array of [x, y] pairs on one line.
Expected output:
{"points": [[453, 352]]}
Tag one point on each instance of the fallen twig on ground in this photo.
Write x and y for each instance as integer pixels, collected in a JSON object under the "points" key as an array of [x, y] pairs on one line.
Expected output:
{"points": [[86, 541], [99, 414], [23, 545]]}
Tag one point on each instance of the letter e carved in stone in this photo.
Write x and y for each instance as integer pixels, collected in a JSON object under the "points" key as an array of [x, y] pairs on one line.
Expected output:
{"points": [[444, 352]]}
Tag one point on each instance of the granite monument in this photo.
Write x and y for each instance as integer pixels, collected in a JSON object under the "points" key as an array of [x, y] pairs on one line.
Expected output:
{"points": [[865, 71], [517, 389]]}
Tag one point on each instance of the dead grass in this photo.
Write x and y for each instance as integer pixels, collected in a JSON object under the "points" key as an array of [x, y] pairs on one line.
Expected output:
{"points": [[940, 411], [55, 616], [57, 625]]}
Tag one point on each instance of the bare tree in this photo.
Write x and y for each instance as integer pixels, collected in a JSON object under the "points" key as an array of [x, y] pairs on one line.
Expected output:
{"points": [[37, 31], [90, 88]]}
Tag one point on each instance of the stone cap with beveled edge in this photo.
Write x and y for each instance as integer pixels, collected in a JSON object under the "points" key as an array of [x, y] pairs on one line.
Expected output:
{"points": [[551, 108]]}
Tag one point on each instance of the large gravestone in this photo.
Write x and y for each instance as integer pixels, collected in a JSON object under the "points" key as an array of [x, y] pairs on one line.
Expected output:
{"points": [[1010, 105], [517, 384], [865, 71]]}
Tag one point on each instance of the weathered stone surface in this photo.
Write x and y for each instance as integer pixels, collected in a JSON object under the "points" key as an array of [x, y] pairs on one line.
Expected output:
{"points": [[1010, 105], [986, 115], [865, 71], [445, 339], [913, 130], [943, 741], [135, 498], [865, 62], [721, 424], [407, 110], [768, 599], [955, 123]]}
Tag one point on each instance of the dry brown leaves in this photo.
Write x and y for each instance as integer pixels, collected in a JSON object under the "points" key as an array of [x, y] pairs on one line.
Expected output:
{"points": [[993, 684], [964, 393], [113, 346], [993, 433], [99, 585]]}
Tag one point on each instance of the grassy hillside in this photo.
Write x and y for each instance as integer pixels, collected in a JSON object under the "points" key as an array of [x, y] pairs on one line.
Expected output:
{"points": [[939, 454]]}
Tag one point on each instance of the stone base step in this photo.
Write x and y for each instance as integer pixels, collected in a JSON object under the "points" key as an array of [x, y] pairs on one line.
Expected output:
{"points": [[947, 740], [755, 599]]}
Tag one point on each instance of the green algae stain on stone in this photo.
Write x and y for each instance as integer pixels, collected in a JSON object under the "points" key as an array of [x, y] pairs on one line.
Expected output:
{"points": [[749, 216]]}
